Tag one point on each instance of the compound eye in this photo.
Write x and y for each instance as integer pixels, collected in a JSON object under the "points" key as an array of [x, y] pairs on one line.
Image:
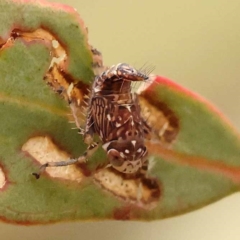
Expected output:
{"points": [[115, 158]]}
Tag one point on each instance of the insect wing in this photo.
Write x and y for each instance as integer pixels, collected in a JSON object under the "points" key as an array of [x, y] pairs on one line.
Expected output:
{"points": [[102, 110]]}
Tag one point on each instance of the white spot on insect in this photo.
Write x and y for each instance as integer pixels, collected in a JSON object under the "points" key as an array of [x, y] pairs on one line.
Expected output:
{"points": [[133, 142], [122, 155], [119, 118], [2, 178], [128, 108], [105, 146], [139, 150], [118, 124], [108, 117], [127, 151], [132, 122]]}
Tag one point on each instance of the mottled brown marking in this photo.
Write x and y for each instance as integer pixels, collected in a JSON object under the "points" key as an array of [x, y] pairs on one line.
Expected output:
{"points": [[123, 213], [143, 192]]}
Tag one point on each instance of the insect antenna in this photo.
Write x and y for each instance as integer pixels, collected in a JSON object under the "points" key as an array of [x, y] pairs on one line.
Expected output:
{"points": [[148, 69], [151, 70], [143, 67]]}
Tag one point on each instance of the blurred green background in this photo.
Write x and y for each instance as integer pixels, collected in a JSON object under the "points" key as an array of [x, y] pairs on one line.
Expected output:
{"points": [[195, 43]]}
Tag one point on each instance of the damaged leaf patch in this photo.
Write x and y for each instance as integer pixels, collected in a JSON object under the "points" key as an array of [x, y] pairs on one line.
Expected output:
{"points": [[42, 150], [163, 121], [141, 192]]}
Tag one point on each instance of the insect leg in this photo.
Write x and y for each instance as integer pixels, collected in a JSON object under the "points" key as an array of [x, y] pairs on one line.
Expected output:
{"points": [[54, 164], [91, 149], [82, 159]]}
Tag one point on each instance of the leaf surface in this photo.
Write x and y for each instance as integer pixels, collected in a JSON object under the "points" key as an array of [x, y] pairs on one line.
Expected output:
{"points": [[195, 153]]}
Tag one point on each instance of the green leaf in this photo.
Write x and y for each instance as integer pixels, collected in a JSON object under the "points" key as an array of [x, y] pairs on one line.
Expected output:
{"points": [[203, 165], [195, 152]]}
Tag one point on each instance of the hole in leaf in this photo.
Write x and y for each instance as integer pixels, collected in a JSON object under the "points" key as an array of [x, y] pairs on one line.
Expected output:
{"points": [[143, 192], [44, 150], [162, 120]]}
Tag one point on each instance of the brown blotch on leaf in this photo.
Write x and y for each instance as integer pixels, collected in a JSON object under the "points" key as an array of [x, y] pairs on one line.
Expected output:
{"points": [[57, 77], [44, 150], [57, 50], [62, 83], [73, 92], [142, 192], [123, 213], [162, 120]]}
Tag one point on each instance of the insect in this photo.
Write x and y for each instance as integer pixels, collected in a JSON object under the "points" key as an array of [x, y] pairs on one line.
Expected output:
{"points": [[114, 115]]}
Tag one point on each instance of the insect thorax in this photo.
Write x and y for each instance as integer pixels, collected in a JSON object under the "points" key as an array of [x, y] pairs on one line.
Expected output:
{"points": [[115, 115]]}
